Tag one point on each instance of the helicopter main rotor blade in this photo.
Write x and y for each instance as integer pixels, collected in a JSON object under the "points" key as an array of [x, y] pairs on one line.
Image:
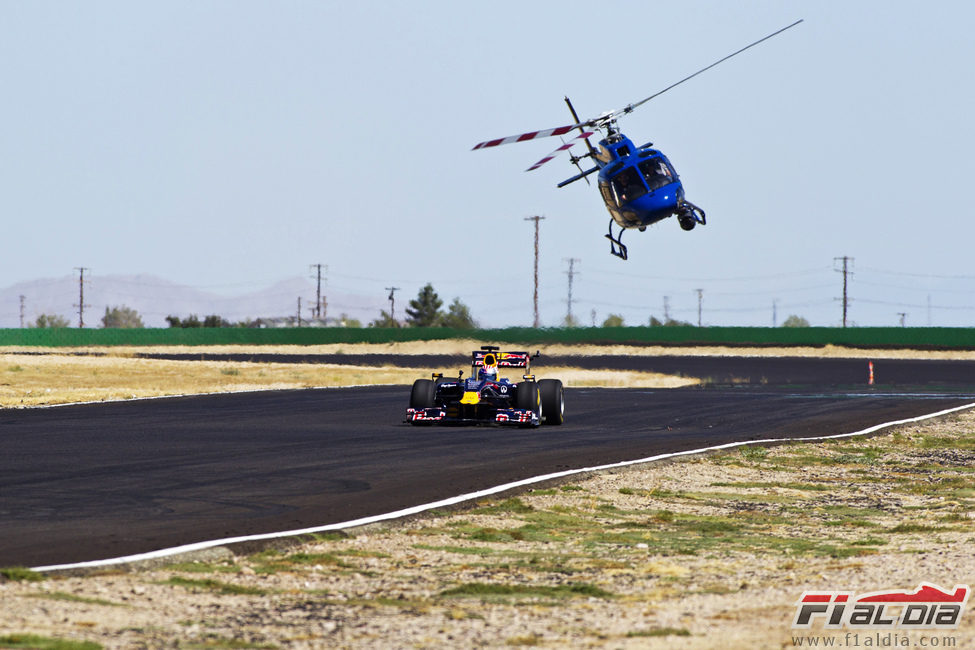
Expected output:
{"points": [[608, 119], [567, 145], [531, 135], [575, 116], [630, 107]]}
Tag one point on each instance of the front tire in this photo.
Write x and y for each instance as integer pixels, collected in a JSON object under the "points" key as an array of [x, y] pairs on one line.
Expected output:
{"points": [[423, 394], [553, 400], [527, 398]]}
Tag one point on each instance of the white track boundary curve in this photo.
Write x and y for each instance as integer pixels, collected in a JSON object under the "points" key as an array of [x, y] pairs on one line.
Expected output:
{"points": [[199, 546]]}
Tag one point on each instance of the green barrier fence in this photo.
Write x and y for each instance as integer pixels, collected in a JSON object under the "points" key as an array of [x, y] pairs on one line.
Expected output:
{"points": [[882, 337]]}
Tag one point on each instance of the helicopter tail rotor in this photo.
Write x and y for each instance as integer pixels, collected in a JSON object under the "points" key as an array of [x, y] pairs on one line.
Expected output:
{"points": [[565, 146]]}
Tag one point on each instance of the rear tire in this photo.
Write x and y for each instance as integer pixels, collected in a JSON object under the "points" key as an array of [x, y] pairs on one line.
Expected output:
{"points": [[553, 400], [423, 394]]}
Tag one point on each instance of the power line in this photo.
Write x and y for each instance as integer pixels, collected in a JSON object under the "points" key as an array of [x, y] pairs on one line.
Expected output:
{"points": [[919, 275]]}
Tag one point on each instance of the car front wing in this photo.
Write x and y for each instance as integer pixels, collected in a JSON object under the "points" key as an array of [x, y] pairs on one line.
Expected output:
{"points": [[438, 415]]}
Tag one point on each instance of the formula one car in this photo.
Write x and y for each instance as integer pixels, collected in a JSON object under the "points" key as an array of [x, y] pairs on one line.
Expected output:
{"points": [[487, 398]]}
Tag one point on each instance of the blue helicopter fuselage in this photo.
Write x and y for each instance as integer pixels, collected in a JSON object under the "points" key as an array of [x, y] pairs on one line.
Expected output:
{"points": [[638, 184]]}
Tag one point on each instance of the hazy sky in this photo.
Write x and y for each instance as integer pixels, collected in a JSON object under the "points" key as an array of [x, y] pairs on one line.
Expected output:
{"points": [[229, 145]]}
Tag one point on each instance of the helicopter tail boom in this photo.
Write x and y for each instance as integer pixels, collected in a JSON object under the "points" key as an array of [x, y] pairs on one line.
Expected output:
{"points": [[579, 177]]}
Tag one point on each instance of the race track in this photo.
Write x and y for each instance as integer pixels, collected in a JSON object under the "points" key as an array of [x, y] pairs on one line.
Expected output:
{"points": [[97, 481]]}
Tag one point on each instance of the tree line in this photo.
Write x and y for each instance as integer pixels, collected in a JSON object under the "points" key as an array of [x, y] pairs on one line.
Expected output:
{"points": [[426, 310]]}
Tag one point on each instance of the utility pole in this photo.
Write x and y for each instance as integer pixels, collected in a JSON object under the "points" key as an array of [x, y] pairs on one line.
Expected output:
{"points": [[700, 300], [392, 302], [299, 311], [536, 219], [775, 305], [666, 309], [22, 298], [571, 273], [318, 294], [847, 261], [903, 316], [81, 296]]}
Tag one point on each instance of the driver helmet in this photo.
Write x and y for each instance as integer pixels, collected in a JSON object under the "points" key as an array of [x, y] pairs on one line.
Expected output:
{"points": [[489, 370]]}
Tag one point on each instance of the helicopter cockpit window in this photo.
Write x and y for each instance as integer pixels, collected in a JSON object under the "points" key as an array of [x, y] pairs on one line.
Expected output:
{"points": [[629, 185], [656, 173]]}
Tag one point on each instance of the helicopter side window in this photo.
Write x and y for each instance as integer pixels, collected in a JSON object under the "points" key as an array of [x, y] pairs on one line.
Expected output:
{"points": [[629, 185], [609, 198], [656, 173]]}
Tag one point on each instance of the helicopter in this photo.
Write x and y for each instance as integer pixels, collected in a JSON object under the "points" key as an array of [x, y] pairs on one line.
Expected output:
{"points": [[639, 185]]}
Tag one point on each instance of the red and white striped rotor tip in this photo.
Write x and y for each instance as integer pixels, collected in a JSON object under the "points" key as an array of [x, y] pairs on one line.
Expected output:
{"points": [[524, 137], [564, 147]]}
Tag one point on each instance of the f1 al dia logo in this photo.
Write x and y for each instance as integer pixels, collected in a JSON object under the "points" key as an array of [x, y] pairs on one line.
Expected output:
{"points": [[929, 607]]}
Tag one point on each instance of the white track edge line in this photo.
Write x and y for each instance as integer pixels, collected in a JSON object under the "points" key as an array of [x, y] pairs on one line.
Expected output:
{"points": [[199, 546]]}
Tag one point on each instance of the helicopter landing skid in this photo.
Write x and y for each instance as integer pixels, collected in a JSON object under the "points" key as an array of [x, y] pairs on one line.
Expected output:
{"points": [[616, 246]]}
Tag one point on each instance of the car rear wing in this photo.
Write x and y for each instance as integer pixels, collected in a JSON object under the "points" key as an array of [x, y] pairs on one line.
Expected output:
{"points": [[505, 359]]}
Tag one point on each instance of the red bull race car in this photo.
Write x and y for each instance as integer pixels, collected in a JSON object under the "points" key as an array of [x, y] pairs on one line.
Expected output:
{"points": [[486, 397]]}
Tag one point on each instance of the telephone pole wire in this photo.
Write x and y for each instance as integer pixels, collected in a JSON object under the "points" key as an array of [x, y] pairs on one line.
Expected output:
{"points": [[536, 219], [847, 262], [571, 273], [81, 296]]}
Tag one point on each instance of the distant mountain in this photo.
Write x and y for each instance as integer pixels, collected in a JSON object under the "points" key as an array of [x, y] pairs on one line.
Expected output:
{"points": [[155, 298]]}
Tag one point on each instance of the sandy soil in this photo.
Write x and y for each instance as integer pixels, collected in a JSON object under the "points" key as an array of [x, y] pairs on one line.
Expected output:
{"points": [[59, 378]]}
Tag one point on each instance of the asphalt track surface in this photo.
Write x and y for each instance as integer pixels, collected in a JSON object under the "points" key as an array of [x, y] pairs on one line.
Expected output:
{"points": [[88, 482], [727, 369]]}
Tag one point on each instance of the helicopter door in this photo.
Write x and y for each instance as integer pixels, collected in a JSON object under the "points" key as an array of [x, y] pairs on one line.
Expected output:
{"points": [[629, 185]]}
